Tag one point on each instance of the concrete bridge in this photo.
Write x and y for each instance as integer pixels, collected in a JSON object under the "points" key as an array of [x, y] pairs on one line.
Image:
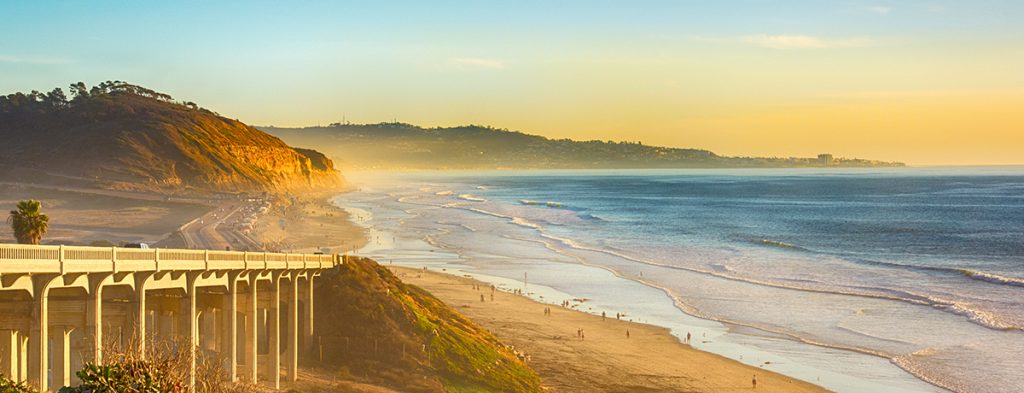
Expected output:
{"points": [[62, 306]]}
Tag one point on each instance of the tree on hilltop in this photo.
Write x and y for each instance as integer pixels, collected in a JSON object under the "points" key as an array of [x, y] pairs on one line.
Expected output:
{"points": [[78, 90], [55, 100]]}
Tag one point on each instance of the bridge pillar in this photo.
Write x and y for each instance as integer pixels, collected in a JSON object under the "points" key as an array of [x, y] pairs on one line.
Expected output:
{"points": [[274, 330], [141, 282], [229, 341], [191, 315], [292, 354], [23, 358], [38, 362], [94, 316], [62, 358], [251, 339], [10, 346], [311, 344]]}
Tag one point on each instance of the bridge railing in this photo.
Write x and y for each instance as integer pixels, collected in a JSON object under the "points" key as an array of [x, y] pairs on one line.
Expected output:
{"points": [[22, 258]]}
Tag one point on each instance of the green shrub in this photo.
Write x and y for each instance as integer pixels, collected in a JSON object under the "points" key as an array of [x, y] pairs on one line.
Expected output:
{"points": [[124, 377], [9, 386]]}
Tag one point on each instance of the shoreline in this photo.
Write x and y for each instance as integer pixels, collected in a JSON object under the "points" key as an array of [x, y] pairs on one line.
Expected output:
{"points": [[829, 366], [651, 358], [311, 223]]}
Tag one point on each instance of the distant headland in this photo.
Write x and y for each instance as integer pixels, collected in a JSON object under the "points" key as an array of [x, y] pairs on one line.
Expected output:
{"points": [[407, 146]]}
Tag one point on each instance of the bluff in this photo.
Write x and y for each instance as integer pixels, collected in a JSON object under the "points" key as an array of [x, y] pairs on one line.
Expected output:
{"points": [[397, 335], [406, 146], [124, 136]]}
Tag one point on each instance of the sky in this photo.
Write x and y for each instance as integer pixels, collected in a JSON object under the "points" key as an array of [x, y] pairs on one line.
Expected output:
{"points": [[926, 82]]}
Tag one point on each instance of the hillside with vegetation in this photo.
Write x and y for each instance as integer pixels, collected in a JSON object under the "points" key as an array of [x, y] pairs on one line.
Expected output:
{"points": [[406, 146], [378, 330], [123, 136]]}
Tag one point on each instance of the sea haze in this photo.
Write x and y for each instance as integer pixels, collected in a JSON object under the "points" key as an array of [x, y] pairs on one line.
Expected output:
{"points": [[922, 269]]}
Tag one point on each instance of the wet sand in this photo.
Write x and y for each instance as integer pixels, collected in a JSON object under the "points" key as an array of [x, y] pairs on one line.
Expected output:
{"points": [[605, 360]]}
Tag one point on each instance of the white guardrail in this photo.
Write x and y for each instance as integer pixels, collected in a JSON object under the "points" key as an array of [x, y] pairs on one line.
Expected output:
{"points": [[22, 258]]}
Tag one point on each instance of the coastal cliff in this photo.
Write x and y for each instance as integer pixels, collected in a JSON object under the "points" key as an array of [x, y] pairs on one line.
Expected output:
{"points": [[127, 137]]}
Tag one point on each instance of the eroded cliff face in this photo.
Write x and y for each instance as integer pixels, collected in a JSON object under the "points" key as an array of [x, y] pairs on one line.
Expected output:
{"points": [[127, 141], [284, 168]]}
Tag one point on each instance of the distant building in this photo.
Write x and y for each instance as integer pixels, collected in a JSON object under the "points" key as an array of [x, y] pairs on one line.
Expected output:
{"points": [[825, 159]]}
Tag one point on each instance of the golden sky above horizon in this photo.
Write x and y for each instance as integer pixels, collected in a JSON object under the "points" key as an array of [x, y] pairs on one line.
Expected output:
{"points": [[926, 82]]}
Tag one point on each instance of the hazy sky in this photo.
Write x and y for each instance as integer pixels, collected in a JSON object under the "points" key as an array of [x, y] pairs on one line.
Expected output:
{"points": [[925, 82]]}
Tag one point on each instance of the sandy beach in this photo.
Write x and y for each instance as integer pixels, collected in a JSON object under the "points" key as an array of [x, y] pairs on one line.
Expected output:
{"points": [[309, 223], [649, 360]]}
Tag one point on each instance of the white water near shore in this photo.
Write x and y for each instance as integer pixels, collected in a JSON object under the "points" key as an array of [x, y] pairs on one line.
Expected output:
{"points": [[602, 291], [430, 226]]}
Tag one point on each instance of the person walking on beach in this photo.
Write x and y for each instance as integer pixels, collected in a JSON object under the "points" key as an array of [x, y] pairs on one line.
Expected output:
{"points": [[627, 333], [602, 315], [753, 382], [687, 337], [481, 298]]}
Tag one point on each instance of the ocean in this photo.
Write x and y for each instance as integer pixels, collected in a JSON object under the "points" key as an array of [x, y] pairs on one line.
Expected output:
{"points": [[896, 280]]}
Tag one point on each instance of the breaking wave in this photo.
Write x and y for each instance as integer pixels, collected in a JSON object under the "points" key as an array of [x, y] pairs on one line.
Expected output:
{"points": [[471, 198], [551, 204], [780, 244], [992, 278]]}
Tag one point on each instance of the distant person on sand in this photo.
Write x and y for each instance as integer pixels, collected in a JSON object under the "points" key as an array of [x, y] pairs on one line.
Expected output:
{"points": [[481, 298], [753, 382], [687, 337], [627, 333], [602, 315]]}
